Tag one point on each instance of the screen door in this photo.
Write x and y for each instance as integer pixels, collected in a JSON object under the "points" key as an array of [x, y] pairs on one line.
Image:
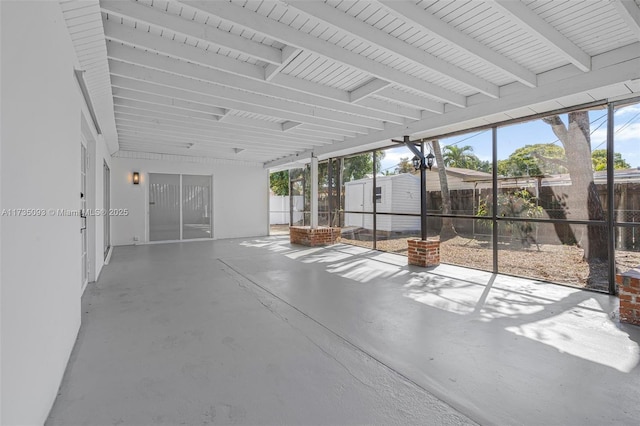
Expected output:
{"points": [[164, 207], [196, 207]]}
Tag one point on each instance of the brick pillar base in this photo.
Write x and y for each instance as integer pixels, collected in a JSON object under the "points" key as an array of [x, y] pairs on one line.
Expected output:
{"points": [[306, 236], [424, 253], [629, 291]]}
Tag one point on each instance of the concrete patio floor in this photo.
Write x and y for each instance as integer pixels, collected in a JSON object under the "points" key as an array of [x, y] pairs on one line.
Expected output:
{"points": [[256, 331]]}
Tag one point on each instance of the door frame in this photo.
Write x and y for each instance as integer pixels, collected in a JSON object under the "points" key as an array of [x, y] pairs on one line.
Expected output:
{"points": [[88, 139], [85, 264], [147, 179]]}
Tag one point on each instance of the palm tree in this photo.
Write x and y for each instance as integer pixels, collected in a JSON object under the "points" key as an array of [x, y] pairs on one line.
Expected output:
{"points": [[457, 156], [447, 231]]}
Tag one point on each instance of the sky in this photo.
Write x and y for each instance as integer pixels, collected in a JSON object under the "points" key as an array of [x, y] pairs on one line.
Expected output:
{"points": [[510, 138]]}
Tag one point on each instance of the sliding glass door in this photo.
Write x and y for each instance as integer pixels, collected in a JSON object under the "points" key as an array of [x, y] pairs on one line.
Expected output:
{"points": [[179, 207]]}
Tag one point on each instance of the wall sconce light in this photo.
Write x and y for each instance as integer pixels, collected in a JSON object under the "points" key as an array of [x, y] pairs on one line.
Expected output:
{"points": [[136, 178]]}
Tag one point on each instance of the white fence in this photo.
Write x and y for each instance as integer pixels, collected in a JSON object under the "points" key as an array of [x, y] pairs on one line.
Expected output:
{"points": [[279, 209]]}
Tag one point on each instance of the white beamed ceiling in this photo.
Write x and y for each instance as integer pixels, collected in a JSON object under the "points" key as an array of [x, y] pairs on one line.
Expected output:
{"points": [[275, 81]]}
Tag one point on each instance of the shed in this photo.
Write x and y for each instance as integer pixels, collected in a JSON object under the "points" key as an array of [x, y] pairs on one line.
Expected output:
{"points": [[394, 194]]}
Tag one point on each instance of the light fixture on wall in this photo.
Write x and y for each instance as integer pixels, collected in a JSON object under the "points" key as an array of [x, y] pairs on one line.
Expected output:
{"points": [[136, 178]]}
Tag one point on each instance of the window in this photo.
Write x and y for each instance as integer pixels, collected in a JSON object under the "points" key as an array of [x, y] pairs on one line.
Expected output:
{"points": [[378, 194]]}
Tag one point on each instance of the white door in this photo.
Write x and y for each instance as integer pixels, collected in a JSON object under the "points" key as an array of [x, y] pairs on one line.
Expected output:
{"points": [[354, 201], [84, 256]]}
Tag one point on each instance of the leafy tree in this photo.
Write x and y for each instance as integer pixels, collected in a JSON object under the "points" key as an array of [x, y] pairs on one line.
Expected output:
{"points": [[534, 160], [517, 204], [548, 158], [599, 158], [279, 182], [359, 166], [404, 166], [483, 166]]}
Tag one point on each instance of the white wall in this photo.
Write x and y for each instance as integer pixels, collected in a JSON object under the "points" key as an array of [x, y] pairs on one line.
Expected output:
{"points": [[40, 266], [240, 197]]}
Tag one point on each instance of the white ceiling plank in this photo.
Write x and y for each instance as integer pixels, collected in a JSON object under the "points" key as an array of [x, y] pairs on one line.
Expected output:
{"points": [[193, 154], [126, 134], [288, 125], [288, 54], [144, 130], [530, 21], [401, 110], [165, 127], [68, 6], [290, 36], [369, 88], [152, 107], [382, 40], [334, 134], [410, 99], [177, 120], [88, 35], [629, 11], [232, 82], [127, 113], [145, 40], [85, 19], [123, 34], [207, 33], [91, 9], [268, 126], [339, 119], [190, 90], [247, 127], [163, 100], [134, 144], [312, 88], [425, 21]]}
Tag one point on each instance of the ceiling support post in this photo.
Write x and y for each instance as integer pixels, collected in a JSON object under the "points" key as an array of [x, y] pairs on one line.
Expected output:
{"points": [[314, 192]]}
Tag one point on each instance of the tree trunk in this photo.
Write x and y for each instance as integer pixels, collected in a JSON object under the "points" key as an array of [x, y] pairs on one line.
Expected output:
{"points": [[576, 140], [447, 231]]}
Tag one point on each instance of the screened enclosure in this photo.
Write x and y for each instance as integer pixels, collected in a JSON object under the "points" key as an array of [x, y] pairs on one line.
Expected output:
{"points": [[553, 197]]}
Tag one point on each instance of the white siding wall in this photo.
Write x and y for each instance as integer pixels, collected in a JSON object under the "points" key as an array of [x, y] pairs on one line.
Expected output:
{"points": [[40, 267], [240, 197], [400, 194], [406, 199]]}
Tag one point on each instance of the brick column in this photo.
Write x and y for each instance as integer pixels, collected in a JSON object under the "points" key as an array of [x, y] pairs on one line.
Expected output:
{"points": [[424, 252], [313, 237], [629, 291]]}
